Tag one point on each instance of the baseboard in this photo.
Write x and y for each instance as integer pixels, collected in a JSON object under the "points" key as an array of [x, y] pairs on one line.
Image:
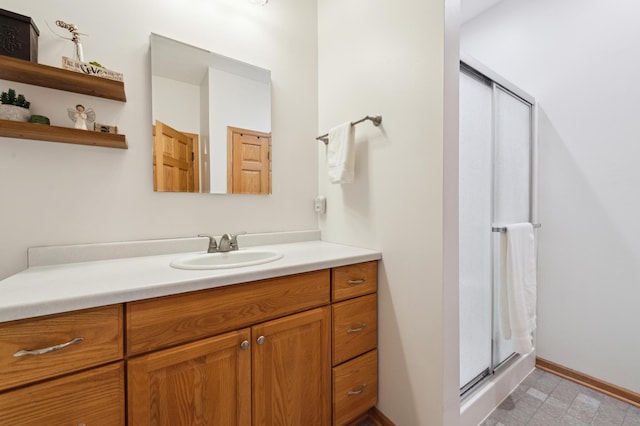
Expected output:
{"points": [[378, 418], [591, 382], [359, 420], [372, 416]]}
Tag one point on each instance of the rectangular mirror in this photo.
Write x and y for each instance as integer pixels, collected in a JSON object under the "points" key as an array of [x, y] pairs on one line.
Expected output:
{"points": [[211, 121]]}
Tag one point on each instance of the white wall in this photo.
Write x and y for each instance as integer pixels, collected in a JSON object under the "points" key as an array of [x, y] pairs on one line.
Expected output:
{"points": [[54, 193], [177, 104], [580, 60], [378, 58]]}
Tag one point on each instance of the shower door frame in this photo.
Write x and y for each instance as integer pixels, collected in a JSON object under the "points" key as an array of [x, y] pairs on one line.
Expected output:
{"points": [[497, 82]]}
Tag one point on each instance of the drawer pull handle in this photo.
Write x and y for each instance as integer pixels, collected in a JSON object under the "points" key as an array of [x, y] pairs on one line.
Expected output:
{"points": [[357, 392], [357, 330], [49, 349], [356, 282]]}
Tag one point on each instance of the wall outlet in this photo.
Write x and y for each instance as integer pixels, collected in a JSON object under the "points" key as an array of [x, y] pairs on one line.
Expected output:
{"points": [[320, 204]]}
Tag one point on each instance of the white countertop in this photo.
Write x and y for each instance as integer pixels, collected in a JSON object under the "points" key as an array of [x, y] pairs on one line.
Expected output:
{"points": [[49, 289]]}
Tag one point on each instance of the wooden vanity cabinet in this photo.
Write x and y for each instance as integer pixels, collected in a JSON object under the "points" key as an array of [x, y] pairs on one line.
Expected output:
{"points": [[278, 370], [293, 350], [355, 338], [81, 381], [274, 370]]}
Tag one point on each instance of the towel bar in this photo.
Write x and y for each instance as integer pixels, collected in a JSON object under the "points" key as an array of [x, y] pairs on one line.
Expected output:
{"points": [[504, 228], [375, 119]]}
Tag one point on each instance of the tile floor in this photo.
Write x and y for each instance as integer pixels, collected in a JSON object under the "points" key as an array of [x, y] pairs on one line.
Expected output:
{"points": [[543, 399]]}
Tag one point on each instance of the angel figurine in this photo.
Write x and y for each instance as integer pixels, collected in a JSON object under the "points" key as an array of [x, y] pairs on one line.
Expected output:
{"points": [[81, 116]]}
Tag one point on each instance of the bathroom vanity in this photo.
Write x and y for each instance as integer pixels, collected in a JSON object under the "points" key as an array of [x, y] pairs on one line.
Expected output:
{"points": [[289, 342]]}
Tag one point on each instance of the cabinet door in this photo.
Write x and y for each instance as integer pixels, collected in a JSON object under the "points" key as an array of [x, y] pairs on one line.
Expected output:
{"points": [[292, 370], [207, 382], [94, 397]]}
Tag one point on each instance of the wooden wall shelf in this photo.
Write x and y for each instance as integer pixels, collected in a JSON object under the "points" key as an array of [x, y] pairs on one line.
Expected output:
{"points": [[57, 78], [43, 132]]}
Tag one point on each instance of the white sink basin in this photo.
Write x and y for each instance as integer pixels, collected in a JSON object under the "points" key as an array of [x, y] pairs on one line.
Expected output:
{"points": [[230, 259]]}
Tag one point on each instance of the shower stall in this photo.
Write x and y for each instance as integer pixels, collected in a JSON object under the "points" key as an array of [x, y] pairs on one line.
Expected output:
{"points": [[497, 187]]}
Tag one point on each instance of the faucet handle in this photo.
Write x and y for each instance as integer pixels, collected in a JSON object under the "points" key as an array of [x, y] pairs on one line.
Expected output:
{"points": [[234, 240], [213, 246]]}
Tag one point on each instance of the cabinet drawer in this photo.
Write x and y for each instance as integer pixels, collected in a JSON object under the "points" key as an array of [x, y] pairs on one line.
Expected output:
{"points": [[100, 329], [355, 387], [157, 323], [94, 397], [355, 328], [354, 280]]}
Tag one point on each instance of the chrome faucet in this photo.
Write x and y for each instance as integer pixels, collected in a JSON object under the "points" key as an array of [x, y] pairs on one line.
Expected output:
{"points": [[213, 247], [229, 242], [226, 243]]}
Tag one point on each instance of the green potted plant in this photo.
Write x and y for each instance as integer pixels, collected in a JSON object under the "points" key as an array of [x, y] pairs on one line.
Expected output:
{"points": [[14, 107]]}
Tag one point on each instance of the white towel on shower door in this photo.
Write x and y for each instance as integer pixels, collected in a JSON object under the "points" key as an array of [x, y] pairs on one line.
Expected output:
{"points": [[518, 287], [340, 154]]}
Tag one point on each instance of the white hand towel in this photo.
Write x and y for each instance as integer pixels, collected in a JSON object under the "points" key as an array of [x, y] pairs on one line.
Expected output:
{"points": [[518, 287], [340, 154]]}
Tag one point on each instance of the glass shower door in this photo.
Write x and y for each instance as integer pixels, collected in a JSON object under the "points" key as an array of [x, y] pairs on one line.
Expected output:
{"points": [[512, 190], [495, 189], [475, 208]]}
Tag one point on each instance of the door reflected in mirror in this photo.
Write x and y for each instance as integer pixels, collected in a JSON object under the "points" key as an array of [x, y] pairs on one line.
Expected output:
{"points": [[211, 121]]}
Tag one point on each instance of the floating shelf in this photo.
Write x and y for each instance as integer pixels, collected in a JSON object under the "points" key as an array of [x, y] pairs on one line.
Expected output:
{"points": [[57, 78], [43, 132]]}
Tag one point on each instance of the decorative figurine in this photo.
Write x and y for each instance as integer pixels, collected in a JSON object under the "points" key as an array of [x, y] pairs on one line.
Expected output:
{"points": [[73, 29], [77, 63], [81, 116]]}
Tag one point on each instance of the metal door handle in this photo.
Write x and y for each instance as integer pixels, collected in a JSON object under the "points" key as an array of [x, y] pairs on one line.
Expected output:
{"points": [[261, 340], [357, 330], [357, 392], [356, 282], [244, 345], [43, 351]]}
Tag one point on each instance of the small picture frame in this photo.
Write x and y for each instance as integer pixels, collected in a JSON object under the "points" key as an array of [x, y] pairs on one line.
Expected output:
{"points": [[105, 128]]}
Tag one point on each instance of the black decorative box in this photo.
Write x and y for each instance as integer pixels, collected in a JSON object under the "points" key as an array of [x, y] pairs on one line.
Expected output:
{"points": [[18, 36]]}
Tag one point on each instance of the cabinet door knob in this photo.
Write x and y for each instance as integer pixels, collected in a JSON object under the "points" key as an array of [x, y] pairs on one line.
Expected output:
{"points": [[357, 392], [357, 330], [261, 340], [356, 282], [25, 352], [244, 345]]}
